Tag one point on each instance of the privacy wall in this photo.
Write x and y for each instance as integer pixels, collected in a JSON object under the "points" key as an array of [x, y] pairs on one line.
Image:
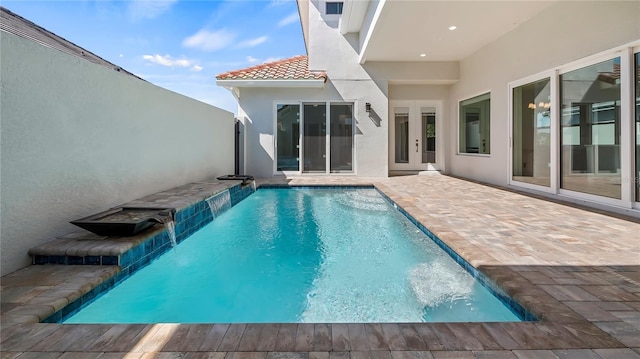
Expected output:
{"points": [[78, 138]]}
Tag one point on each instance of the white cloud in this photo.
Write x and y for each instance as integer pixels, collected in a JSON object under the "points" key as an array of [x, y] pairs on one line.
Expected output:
{"points": [[148, 9], [167, 60], [196, 68], [209, 40], [252, 59], [289, 20], [272, 59], [253, 42]]}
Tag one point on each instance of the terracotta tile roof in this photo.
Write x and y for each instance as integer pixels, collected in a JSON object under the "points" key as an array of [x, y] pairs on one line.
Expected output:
{"points": [[294, 68]]}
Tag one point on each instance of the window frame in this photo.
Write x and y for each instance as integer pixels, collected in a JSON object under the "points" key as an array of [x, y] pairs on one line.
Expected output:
{"points": [[624, 55], [275, 137], [460, 137], [554, 144], [628, 198], [300, 172], [339, 7]]}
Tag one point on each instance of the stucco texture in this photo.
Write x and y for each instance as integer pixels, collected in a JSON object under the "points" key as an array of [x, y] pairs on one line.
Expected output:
{"points": [[78, 138]]}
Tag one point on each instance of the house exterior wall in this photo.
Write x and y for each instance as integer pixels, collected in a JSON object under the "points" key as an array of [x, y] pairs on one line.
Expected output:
{"points": [[562, 33], [78, 138], [349, 81], [256, 110], [428, 92]]}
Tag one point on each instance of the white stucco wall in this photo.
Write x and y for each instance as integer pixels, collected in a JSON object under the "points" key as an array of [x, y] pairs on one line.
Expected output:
{"points": [[566, 31], [348, 81], [78, 138], [256, 110]]}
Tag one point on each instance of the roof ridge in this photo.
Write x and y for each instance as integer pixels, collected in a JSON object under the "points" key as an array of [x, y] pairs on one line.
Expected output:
{"points": [[296, 67]]}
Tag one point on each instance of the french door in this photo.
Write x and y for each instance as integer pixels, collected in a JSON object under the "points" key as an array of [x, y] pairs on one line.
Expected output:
{"points": [[413, 130]]}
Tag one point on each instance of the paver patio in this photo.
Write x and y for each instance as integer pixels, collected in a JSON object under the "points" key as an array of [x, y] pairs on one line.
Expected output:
{"points": [[577, 270]]}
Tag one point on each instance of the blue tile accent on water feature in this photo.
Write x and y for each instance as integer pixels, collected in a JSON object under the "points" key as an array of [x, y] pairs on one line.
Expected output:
{"points": [[109, 260], [75, 260], [92, 260], [187, 221], [514, 306]]}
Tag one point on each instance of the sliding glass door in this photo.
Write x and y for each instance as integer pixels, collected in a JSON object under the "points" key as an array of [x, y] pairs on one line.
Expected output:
{"points": [[590, 129], [288, 137], [341, 137], [326, 142], [532, 133], [314, 153], [576, 131]]}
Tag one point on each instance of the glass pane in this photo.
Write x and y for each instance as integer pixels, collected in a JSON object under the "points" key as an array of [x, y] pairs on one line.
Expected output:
{"points": [[288, 137], [401, 119], [637, 84], [428, 134], [532, 133], [475, 125], [341, 137], [334, 8], [590, 152], [314, 140]]}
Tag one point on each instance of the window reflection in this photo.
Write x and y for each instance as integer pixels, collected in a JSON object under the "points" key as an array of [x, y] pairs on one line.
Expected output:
{"points": [[428, 134], [314, 138], [341, 137], [475, 125], [532, 133], [590, 129], [288, 134], [401, 119]]}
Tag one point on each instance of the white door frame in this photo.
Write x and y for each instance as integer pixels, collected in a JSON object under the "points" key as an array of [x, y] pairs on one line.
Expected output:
{"points": [[301, 149], [415, 126]]}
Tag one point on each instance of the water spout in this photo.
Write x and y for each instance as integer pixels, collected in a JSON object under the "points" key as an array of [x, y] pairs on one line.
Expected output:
{"points": [[219, 203], [166, 218], [171, 230]]}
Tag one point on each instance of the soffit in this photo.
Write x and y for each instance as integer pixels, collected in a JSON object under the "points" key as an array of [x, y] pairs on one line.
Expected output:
{"points": [[406, 29]]}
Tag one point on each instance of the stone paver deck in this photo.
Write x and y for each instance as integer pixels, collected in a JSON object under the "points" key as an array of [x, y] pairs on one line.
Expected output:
{"points": [[577, 270]]}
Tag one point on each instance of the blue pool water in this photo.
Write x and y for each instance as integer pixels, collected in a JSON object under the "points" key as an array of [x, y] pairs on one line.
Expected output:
{"points": [[301, 255]]}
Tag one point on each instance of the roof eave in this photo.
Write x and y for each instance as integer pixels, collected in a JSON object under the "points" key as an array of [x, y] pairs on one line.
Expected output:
{"points": [[306, 83]]}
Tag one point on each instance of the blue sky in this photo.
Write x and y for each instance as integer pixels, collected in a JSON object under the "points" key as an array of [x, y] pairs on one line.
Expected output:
{"points": [[176, 44]]}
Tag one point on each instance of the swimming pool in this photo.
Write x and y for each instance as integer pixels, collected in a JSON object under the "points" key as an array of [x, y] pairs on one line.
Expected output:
{"points": [[302, 255]]}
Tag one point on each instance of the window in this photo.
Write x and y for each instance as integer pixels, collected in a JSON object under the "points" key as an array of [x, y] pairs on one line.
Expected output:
{"points": [[288, 137], [590, 129], [314, 137], [334, 8], [475, 125], [341, 137], [532, 133]]}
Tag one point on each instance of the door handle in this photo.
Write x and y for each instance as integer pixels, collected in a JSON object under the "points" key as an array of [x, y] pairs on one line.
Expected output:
{"points": [[417, 146]]}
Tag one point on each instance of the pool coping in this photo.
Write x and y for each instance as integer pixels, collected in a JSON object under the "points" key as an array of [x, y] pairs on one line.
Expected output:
{"points": [[135, 252], [559, 326]]}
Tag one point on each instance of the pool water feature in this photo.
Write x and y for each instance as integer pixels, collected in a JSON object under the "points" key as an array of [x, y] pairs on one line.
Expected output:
{"points": [[219, 203], [302, 255]]}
